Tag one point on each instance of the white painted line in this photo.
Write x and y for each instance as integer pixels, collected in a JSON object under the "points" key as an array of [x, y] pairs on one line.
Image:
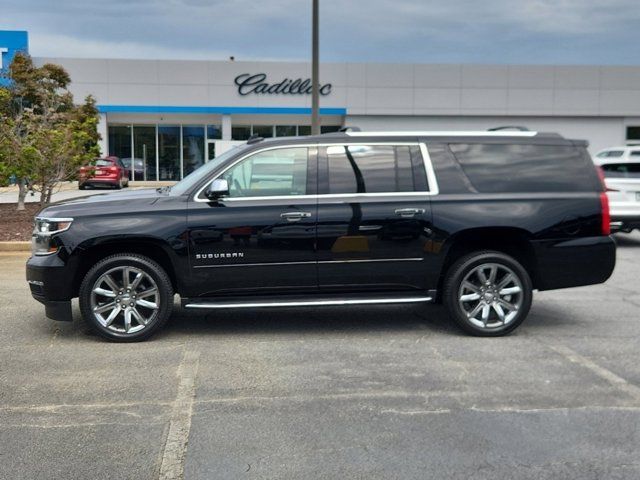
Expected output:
{"points": [[175, 448], [608, 375]]}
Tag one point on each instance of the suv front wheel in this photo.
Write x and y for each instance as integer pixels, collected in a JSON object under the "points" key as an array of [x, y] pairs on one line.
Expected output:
{"points": [[487, 293], [126, 297]]}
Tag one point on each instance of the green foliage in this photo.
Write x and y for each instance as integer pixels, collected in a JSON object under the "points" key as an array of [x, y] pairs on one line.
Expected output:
{"points": [[44, 137]]}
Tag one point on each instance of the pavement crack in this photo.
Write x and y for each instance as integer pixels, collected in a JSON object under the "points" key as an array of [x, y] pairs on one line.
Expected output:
{"points": [[175, 448]]}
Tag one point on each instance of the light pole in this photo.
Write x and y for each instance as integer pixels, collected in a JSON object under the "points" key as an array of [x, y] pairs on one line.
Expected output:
{"points": [[315, 70]]}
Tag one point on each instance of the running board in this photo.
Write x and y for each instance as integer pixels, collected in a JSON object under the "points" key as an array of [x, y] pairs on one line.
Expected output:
{"points": [[212, 303]]}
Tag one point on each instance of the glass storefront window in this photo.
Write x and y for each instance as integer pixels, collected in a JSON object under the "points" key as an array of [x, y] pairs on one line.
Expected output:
{"points": [[144, 147], [329, 128], [264, 131], [192, 147], [214, 132], [286, 131], [304, 130], [169, 152], [120, 141], [241, 132]]}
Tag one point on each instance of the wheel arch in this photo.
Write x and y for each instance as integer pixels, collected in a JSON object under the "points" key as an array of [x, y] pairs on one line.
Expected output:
{"points": [[91, 253], [513, 241]]}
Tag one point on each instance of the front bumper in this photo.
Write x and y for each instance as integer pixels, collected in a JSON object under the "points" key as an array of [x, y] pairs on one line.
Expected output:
{"points": [[51, 284]]}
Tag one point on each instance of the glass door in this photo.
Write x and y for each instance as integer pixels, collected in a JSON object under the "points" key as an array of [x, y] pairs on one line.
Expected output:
{"points": [[143, 163]]}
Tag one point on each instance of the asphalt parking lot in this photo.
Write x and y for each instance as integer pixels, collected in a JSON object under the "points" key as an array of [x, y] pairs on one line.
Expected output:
{"points": [[384, 392]]}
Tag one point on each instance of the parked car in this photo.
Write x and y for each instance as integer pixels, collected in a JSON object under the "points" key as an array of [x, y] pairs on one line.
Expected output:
{"points": [[138, 167], [618, 154], [474, 220], [623, 188], [105, 171]]}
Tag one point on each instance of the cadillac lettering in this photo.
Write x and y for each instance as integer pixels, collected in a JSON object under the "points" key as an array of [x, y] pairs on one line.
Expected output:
{"points": [[257, 84]]}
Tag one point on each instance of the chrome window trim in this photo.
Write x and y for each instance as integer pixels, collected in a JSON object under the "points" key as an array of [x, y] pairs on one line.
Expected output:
{"points": [[444, 133], [431, 177]]}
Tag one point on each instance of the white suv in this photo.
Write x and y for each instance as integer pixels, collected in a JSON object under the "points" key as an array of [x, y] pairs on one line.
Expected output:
{"points": [[618, 154], [622, 179]]}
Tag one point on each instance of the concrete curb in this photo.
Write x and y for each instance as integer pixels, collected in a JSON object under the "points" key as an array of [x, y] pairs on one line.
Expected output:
{"points": [[15, 246]]}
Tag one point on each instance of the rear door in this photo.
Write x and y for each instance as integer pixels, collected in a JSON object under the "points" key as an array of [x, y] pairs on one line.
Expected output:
{"points": [[374, 216]]}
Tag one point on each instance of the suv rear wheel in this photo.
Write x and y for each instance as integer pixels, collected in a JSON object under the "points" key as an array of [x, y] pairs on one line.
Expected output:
{"points": [[487, 293], [126, 297]]}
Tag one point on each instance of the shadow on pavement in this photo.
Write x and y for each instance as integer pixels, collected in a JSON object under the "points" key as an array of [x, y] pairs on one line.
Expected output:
{"points": [[627, 240]]}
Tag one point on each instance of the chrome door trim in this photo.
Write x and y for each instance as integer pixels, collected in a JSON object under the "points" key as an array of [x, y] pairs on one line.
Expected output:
{"points": [[431, 177], [270, 264], [305, 303]]}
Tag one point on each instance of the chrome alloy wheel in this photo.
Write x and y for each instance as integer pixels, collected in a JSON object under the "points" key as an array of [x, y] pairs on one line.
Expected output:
{"points": [[490, 295], [125, 299]]}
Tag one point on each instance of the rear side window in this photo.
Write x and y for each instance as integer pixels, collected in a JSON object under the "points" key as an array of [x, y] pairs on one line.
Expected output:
{"points": [[376, 169], [614, 153], [621, 170], [492, 168], [102, 162]]}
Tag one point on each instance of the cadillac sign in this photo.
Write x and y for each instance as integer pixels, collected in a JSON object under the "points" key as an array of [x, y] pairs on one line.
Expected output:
{"points": [[259, 85]]}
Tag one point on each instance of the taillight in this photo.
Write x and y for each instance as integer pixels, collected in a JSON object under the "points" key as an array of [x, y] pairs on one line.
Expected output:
{"points": [[113, 169], [606, 215], [604, 205]]}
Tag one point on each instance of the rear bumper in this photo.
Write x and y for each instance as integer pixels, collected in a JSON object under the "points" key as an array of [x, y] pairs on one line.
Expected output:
{"points": [[573, 263], [50, 281], [624, 222]]}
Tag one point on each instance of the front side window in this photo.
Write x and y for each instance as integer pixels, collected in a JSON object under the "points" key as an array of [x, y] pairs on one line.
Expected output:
{"points": [[276, 172], [375, 169]]}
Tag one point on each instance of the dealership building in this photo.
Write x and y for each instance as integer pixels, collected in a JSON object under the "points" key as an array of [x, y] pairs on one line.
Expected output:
{"points": [[171, 115]]}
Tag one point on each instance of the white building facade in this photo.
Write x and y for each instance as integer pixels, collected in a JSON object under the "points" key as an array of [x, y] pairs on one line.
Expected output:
{"points": [[169, 115]]}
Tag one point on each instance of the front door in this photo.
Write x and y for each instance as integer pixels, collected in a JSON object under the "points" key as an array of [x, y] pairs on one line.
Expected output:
{"points": [[374, 217], [261, 237]]}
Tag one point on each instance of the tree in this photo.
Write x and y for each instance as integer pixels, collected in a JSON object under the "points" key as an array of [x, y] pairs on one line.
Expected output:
{"points": [[44, 136]]}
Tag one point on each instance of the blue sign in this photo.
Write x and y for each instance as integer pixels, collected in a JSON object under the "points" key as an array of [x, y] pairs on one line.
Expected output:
{"points": [[11, 42]]}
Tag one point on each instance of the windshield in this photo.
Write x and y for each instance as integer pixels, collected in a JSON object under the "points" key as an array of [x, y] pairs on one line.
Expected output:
{"points": [[188, 182]]}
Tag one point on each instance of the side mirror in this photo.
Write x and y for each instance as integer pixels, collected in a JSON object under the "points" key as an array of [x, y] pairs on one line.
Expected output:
{"points": [[217, 188]]}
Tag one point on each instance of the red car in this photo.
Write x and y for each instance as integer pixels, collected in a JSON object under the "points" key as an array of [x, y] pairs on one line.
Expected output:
{"points": [[105, 171]]}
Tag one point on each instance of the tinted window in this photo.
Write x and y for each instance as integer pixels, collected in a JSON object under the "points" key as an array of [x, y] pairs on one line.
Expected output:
{"points": [[635, 153], [280, 171], [375, 169], [494, 168], [614, 153], [621, 170]]}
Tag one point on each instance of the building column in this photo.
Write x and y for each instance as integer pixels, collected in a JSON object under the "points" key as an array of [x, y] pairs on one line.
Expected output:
{"points": [[226, 127], [103, 143]]}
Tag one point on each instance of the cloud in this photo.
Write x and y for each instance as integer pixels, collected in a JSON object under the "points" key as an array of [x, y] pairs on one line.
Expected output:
{"points": [[487, 31]]}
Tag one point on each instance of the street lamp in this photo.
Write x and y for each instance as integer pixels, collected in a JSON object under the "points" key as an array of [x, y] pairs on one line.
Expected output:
{"points": [[315, 70]]}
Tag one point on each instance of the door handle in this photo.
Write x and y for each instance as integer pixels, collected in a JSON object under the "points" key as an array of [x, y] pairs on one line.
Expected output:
{"points": [[295, 216], [409, 212]]}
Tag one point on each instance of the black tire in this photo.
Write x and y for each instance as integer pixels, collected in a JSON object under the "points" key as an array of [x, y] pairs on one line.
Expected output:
{"points": [[158, 316], [468, 265], [81, 187], [119, 185]]}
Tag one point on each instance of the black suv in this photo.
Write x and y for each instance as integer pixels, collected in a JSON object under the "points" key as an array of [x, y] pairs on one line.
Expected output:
{"points": [[476, 220]]}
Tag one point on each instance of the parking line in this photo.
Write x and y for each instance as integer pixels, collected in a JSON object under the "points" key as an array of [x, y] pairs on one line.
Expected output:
{"points": [[175, 448], [608, 375]]}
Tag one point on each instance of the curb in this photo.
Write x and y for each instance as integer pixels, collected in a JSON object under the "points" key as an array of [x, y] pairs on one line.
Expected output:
{"points": [[15, 246]]}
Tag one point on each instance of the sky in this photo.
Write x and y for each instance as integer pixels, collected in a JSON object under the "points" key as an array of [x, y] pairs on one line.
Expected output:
{"points": [[605, 32]]}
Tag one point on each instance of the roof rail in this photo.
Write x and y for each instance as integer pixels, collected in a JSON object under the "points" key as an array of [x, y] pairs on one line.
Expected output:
{"points": [[509, 127]]}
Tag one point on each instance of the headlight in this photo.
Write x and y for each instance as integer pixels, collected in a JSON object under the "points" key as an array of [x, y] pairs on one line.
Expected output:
{"points": [[42, 238]]}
